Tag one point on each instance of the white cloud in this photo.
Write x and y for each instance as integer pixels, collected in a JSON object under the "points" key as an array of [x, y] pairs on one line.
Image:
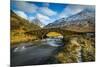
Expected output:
{"points": [[43, 18], [32, 8], [70, 10], [31, 18], [47, 11], [21, 14], [26, 7]]}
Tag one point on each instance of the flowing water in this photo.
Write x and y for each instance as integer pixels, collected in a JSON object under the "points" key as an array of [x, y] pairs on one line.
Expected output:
{"points": [[35, 54]]}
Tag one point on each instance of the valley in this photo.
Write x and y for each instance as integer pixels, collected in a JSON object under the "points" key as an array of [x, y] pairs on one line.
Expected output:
{"points": [[66, 40]]}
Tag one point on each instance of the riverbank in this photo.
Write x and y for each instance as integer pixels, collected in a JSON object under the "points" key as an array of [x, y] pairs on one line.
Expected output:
{"points": [[77, 49], [18, 37]]}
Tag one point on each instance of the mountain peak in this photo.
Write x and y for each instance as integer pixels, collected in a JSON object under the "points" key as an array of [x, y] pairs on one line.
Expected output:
{"points": [[84, 21], [37, 22]]}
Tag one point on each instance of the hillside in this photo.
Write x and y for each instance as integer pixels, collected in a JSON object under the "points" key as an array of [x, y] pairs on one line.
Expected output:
{"points": [[18, 28], [37, 22], [18, 22], [83, 21]]}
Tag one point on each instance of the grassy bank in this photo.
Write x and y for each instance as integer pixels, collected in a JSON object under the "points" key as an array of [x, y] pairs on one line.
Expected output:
{"points": [[77, 49], [19, 36]]}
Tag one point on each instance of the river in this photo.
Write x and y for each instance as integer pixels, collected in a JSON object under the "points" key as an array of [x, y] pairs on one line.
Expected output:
{"points": [[36, 54]]}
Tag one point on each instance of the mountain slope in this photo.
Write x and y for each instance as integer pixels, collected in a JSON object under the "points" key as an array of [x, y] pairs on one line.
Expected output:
{"points": [[37, 22], [18, 22], [18, 28], [83, 21]]}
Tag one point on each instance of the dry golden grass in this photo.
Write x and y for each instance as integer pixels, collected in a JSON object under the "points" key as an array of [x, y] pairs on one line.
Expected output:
{"points": [[18, 36], [72, 49], [53, 34]]}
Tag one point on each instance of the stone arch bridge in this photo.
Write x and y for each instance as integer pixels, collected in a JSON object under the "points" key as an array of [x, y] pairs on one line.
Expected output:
{"points": [[41, 33]]}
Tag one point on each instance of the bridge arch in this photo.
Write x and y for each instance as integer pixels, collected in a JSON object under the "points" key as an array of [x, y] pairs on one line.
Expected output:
{"points": [[41, 33], [52, 34]]}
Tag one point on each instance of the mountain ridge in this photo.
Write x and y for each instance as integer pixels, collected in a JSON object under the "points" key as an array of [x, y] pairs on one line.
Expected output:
{"points": [[83, 21]]}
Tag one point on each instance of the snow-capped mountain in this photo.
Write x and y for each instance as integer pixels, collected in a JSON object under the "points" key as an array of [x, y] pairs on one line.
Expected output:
{"points": [[85, 18], [37, 22], [83, 15]]}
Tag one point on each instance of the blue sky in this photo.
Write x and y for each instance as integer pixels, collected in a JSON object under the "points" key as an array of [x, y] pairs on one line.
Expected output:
{"points": [[45, 12]]}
